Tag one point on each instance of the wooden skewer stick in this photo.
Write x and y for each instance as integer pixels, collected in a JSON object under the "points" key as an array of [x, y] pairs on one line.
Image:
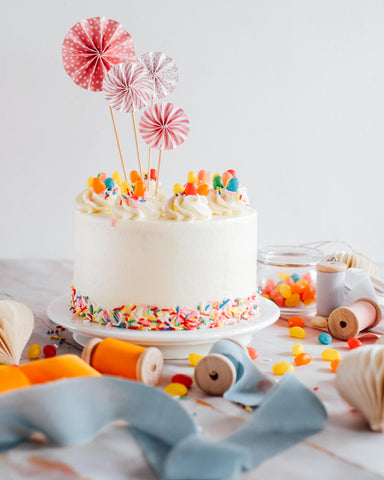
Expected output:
{"points": [[158, 172], [118, 144], [149, 158], [137, 144]]}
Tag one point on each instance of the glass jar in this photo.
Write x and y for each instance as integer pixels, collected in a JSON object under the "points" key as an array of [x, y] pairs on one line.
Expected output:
{"points": [[287, 275]]}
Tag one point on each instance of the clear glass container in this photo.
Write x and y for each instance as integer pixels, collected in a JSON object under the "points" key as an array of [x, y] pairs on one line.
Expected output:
{"points": [[287, 275]]}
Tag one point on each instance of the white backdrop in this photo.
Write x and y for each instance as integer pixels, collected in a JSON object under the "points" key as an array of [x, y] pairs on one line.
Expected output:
{"points": [[288, 93]]}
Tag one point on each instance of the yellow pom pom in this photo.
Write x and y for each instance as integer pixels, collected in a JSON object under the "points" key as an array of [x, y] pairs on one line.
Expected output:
{"points": [[192, 177], [176, 389], [125, 188], [178, 188], [117, 178], [90, 182]]}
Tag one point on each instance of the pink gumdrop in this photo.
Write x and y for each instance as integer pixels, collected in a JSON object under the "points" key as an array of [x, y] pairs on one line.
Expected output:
{"points": [[225, 178], [103, 176], [232, 172], [201, 176], [289, 281], [307, 277]]}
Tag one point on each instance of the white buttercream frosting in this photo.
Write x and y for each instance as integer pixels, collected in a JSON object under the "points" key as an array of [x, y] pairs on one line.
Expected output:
{"points": [[189, 207], [132, 208], [90, 202], [225, 203]]}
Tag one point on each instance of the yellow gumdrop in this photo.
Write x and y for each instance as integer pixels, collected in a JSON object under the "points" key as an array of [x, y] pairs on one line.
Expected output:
{"points": [[194, 358], [117, 178], [284, 275], [280, 368], [293, 300], [330, 354], [285, 290], [90, 182], [297, 332], [297, 349], [192, 177], [178, 188], [125, 188], [34, 351], [176, 389]]}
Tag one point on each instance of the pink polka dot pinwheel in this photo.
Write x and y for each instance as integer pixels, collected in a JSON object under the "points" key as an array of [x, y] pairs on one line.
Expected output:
{"points": [[92, 47], [127, 87], [163, 71], [164, 126]]}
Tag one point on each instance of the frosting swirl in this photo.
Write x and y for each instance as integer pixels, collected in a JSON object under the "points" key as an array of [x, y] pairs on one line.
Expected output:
{"points": [[225, 203], [131, 208], [189, 207], [90, 202]]}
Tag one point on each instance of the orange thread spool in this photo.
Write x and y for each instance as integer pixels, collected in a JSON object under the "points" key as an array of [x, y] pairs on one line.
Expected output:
{"points": [[116, 357], [12, 377], [347, 322], [55, 368]]}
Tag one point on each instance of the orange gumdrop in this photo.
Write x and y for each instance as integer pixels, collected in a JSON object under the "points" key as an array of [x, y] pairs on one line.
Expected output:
{"points": [[203, 189], [139, 188], [308, 294], [298, 288], [97, 185], [134, 176], [296, 322], [335, 364], [190, 189]]}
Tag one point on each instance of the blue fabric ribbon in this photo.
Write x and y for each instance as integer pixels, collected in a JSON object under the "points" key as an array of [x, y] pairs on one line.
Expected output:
{"points": [[74, 411]]}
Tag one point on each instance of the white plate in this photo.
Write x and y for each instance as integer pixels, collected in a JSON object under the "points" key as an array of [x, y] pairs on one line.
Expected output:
{"points": [[173, 344]]}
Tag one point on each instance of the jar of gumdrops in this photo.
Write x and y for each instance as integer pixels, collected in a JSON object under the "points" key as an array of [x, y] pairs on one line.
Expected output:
{"points": [[287, 275]]}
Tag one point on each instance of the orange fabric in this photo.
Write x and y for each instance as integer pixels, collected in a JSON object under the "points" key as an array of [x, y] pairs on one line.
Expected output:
{"points": [[116, 357], [55, 368], [12, 377]]}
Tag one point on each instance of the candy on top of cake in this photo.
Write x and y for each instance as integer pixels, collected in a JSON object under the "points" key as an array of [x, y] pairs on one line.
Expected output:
{"points": [[202, 196]]}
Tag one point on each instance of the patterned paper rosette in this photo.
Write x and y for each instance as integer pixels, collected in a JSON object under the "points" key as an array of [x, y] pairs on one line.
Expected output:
{"points": [[163, 71], [127, 87], [164, 126], [92, 47]]}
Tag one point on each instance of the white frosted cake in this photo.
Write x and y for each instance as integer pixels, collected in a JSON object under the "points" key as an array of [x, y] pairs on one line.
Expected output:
{"points": [[184, 263]]}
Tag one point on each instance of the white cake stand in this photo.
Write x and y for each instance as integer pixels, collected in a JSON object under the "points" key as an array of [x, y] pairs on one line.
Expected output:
{"points": [[173, 344]]}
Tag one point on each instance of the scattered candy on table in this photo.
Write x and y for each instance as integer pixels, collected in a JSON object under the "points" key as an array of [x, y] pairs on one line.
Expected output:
{"points": [[49, 351], [280, 368], [34, 351], [176, 389], [330, 354], [253, 353], [183, 379], [297, 349], [353, 343], [302, 359], [295, 322], [194, 358], [297, 332], [325, 338]]}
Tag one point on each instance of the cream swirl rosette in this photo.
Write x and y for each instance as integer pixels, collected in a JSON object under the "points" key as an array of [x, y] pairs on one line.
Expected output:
{"points": [[134, 209], [189, 207], [225, 203], [90, 202]]}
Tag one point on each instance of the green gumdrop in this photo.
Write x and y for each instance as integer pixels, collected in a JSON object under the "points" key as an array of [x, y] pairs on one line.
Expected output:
{"points": [[217, 183]]}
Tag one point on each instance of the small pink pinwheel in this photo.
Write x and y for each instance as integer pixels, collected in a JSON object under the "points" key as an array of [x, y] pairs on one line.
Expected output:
{"points": [[127, 87], [92, 47], [164, 126], [163, 71]]}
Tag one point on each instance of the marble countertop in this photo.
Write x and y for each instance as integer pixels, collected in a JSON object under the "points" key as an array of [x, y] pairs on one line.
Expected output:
{"points": [[346, 448]]}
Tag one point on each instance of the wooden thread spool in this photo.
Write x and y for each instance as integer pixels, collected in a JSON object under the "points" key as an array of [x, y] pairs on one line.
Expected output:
{"points": [[56, 368], [216, 373], [329, 287], [347, 322], [116, 357]]}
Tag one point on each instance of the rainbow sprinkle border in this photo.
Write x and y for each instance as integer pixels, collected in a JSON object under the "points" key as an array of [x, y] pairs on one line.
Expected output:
{"points": [[147, 317]]}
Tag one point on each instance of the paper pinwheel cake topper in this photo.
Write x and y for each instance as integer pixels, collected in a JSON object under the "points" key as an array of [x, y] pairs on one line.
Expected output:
{"points": [[92, 47], [164, 126], [128, 87], [163, 71]]}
